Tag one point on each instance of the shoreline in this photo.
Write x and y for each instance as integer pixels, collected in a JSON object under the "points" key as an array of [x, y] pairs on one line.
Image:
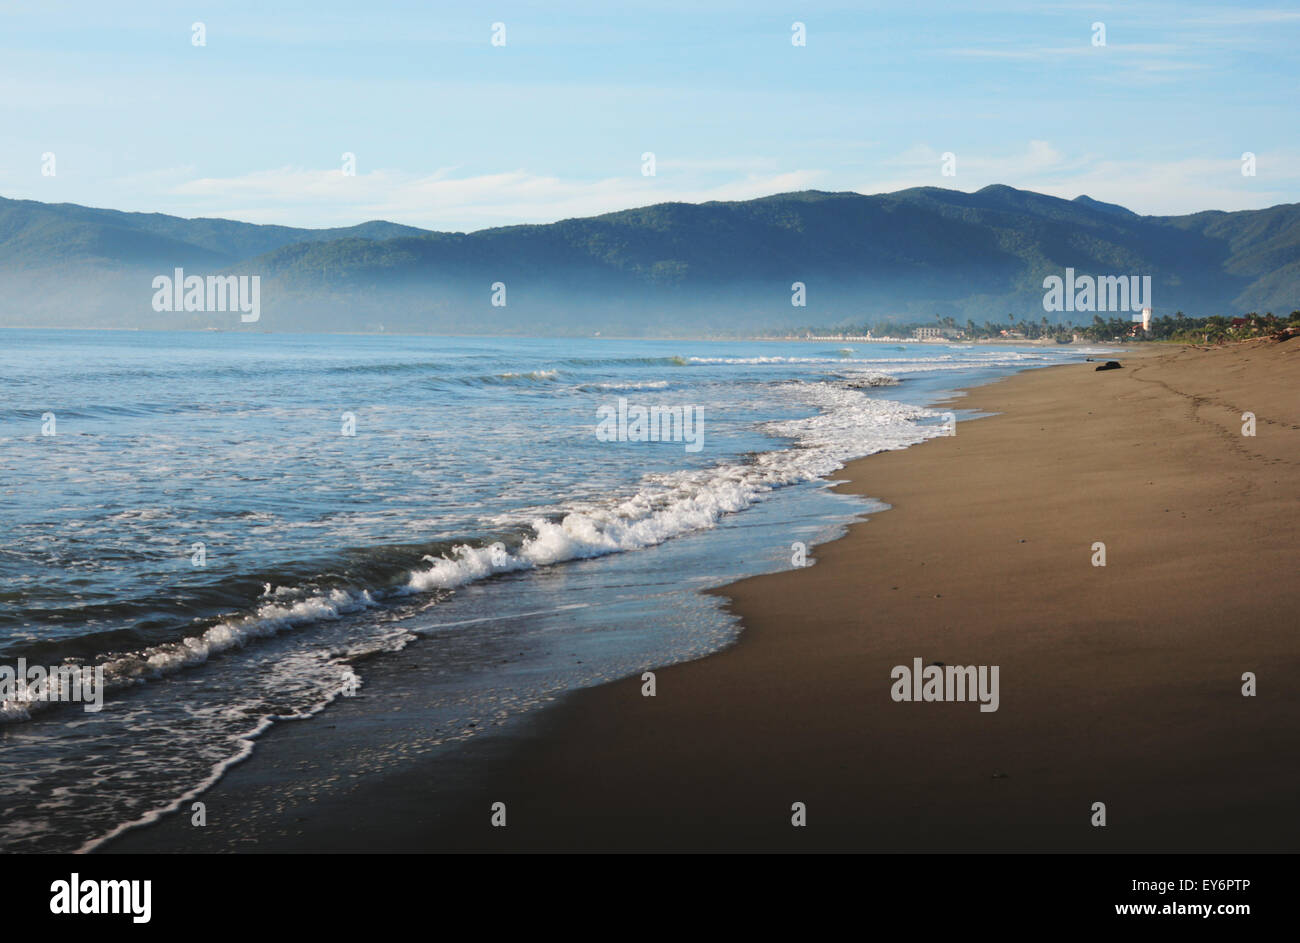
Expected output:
{"points": [[1118, 684]]}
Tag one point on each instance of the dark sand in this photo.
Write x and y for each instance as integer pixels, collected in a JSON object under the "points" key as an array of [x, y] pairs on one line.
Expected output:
{"points": [[1119, 684]]}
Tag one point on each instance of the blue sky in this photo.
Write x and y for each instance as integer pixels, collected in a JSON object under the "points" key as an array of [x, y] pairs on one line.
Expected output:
{"points": [[453, 133]]}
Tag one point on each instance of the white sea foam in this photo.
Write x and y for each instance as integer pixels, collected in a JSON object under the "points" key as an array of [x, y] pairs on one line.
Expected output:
{"points": [[268, 619], [530, 375], [976, 359], [761, 360], [848, 425], [631, 386], [866, 379]]}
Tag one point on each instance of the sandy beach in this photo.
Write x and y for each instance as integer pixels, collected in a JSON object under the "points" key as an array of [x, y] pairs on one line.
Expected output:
{"points": [[1118, 684]]}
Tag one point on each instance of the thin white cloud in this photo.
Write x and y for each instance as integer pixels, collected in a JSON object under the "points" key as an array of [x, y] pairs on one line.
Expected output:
{"points": [[1243, 17], [1083, 48], [446, 201], [1145, 186], [1037, 157]]}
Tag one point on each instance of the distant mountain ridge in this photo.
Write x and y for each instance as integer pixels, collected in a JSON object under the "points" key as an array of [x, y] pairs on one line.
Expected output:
{"points": [[52, 229], [666, 268]]}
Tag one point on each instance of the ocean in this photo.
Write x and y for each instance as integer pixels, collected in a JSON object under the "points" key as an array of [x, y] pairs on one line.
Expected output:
{"points": [[234, 527]]}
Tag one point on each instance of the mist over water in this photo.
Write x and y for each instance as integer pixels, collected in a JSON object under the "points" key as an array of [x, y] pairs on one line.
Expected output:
{"points": [[356, 494]]}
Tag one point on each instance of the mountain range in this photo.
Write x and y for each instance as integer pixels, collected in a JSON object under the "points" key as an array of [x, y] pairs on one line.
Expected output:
{"points": [[670, 268]]}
